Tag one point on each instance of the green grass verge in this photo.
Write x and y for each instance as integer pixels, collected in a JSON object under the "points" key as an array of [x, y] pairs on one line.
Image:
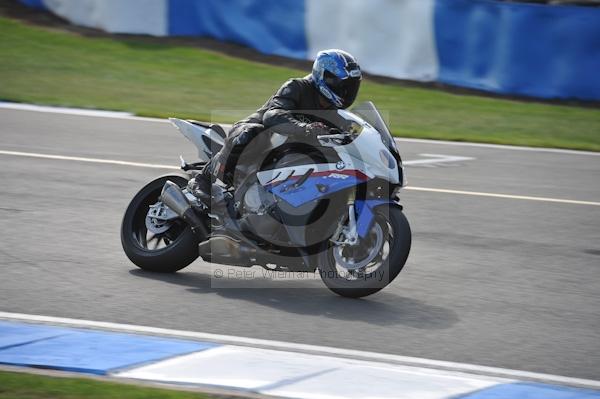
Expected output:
{"points": [[46, 66], [32, 386]]}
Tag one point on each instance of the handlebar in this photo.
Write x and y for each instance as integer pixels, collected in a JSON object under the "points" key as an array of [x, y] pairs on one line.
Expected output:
{"points": [[338, 136]]}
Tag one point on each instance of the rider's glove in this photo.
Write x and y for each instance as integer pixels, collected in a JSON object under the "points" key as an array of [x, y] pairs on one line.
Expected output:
{"points": [[316, 129]]}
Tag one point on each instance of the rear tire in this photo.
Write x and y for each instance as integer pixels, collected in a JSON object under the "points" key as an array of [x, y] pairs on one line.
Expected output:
{"points": [[370, 282], [182, 247]]}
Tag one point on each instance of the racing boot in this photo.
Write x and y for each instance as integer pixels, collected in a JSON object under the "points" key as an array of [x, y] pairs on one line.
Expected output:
{"points": [[206, 189]]}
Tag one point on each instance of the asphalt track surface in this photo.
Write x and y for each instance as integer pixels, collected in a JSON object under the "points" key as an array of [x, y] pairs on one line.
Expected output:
{"points": [[499, 282]]}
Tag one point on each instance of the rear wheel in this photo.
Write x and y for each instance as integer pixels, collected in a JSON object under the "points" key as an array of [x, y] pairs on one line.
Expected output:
{"points": [[172, 247], [366, 268]]}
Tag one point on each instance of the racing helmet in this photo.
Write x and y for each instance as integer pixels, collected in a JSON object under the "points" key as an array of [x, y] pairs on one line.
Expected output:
{"points": [[337, 76]]}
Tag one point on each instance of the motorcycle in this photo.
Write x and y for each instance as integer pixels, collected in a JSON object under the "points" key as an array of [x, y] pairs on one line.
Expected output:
{"points": [[332, 207]]}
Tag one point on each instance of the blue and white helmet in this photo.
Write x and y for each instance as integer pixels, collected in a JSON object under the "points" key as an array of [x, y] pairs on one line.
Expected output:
{"points": [[337, 76]]}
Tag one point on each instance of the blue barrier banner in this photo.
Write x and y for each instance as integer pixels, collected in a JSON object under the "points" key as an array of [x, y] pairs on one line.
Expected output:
{"points": [[514, 48], [34, 3], [270, 26], [517, 48]]}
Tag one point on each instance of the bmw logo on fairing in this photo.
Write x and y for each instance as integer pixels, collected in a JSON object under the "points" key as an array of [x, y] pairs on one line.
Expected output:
{"points": [[340, 165]]}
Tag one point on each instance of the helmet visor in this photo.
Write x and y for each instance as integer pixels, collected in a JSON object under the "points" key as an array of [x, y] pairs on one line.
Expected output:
{"points": [[346, 89]]}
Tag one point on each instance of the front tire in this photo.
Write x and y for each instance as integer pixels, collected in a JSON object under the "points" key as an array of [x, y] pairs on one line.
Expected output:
{"points": [[335, 267], [166, 253]]}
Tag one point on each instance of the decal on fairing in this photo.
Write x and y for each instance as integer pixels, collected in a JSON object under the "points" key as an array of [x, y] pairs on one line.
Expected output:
{"points": [[317, 185]]}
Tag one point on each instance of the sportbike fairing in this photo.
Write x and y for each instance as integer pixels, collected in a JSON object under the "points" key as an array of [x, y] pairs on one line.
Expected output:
{"points": [[367, 157]]}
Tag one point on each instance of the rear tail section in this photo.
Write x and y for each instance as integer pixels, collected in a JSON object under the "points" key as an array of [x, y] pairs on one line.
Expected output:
{"points": [[207, 138]]}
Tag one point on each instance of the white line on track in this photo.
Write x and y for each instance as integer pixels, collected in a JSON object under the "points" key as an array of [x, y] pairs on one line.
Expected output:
{"points": [[90, 160], [436, 159], [304, 348], [498, 146], [78, 112], [433, 190], [507, 196], [129, 116]]}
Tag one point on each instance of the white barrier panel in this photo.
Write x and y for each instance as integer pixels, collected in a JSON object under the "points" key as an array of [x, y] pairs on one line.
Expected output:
{"points": [[393, 38], [115, 16]]}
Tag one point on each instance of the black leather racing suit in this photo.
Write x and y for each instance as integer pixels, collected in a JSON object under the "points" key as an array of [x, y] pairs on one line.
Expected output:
{"points": [[295, 96]]}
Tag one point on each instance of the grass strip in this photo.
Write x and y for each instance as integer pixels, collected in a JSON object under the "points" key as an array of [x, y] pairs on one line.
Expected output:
{"points": [[49, 66], [33, 386]]}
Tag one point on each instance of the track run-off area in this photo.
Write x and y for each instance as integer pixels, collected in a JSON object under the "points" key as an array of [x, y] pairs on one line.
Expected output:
{"points": [[503, 271]]}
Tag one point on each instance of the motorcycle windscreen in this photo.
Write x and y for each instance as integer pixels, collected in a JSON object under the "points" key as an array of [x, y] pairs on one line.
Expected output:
{"points": [[370, 114]]}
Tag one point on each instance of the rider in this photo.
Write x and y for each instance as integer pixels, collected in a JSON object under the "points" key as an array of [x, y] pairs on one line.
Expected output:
{"points": [[333, 84]]}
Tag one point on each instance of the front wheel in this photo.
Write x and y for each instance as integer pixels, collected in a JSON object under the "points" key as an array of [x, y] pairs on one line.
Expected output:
{"points": [[366, 268], [172, 248]]}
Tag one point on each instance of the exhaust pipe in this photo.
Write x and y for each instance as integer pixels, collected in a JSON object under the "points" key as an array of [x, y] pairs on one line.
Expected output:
{"points": [[172, 196]]}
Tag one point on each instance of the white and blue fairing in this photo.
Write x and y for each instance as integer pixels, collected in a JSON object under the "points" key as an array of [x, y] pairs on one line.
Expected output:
{"points": [[365, 158]]}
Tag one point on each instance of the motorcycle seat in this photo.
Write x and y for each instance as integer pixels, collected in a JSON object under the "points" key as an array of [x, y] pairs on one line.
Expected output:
{"points": [[215, 127]]}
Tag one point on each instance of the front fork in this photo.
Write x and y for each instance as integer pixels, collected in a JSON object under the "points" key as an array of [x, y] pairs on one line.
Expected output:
{"points": [[347, 231]]}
